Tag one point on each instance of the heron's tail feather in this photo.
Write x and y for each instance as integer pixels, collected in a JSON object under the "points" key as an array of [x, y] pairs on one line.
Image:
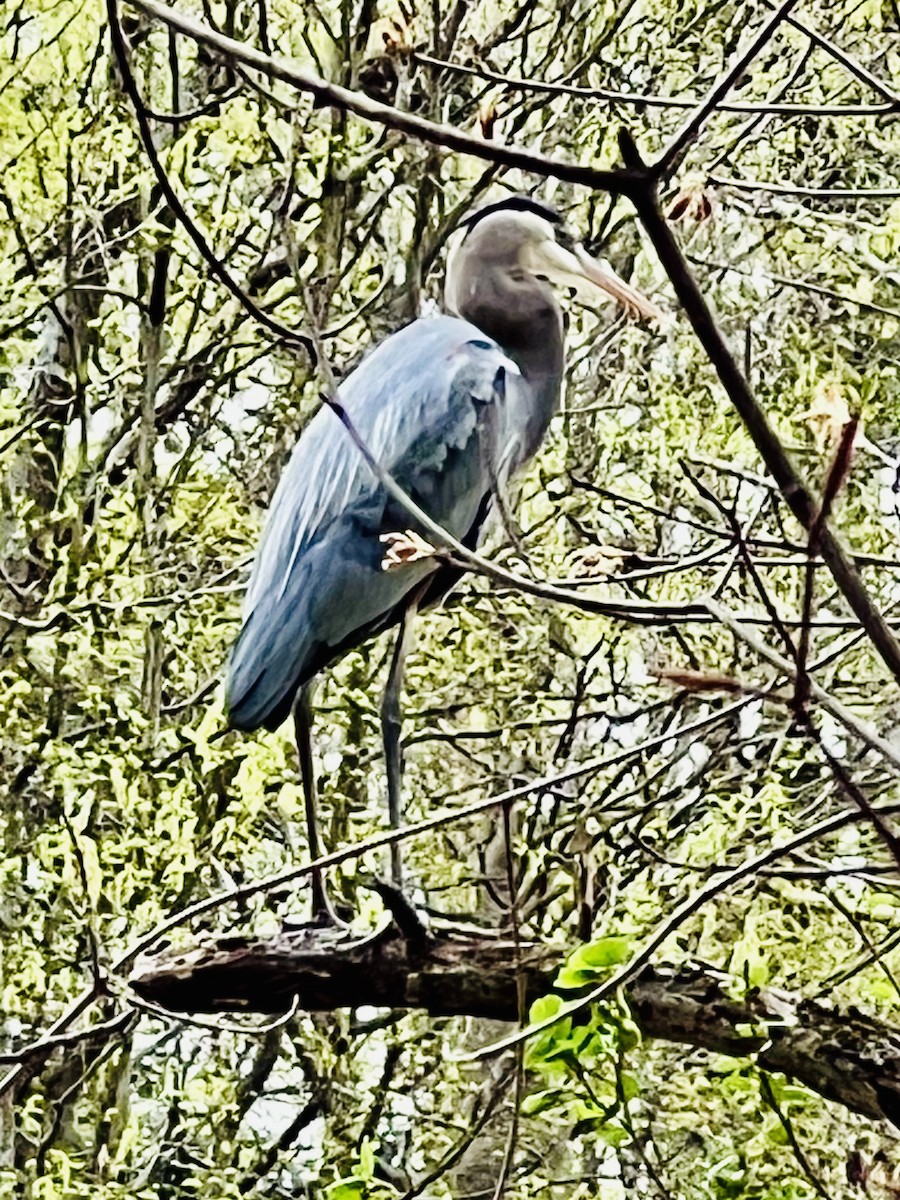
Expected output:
{"points": [[263, 675]]}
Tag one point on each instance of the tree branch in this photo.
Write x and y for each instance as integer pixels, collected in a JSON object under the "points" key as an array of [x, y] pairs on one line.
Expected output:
{"points": [[800, 499], [666, 162], [649, 99], [618, 182], [847, 61], [851, 1058], [807, 193]]}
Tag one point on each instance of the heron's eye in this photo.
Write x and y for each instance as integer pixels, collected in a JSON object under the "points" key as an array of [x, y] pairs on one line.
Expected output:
{"points": [[565, 239]]}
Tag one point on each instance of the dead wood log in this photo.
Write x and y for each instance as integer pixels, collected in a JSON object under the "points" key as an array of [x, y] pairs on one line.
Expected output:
{"points": [[847, 1056]]}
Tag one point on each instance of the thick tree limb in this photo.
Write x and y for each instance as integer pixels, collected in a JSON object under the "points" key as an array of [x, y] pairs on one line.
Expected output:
{"points": [[848, 1057]]}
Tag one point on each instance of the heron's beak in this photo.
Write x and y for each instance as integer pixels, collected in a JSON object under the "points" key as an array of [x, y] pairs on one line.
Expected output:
{"points": [[576, 268]]}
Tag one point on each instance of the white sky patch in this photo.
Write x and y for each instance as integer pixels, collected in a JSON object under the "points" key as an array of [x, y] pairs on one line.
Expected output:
{"points": [[628, 415], [694, 760], [888, 494], [636, 669], [749, 720], [331, 761], [676, 533], [631, 732], [833, 738]]}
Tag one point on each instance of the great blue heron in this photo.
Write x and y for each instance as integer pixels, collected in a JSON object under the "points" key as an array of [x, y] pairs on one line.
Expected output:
{"points": [[448, 407]]}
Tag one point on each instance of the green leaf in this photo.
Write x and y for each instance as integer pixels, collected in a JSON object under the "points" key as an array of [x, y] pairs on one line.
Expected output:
{"points": [[592, 962], [539, 1102], [351, 1188], [544, 1008]]}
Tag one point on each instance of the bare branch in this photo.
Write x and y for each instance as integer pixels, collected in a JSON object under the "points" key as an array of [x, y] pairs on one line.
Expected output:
{"points": [[621, 182], [863, 74], [648, 99], [793, 487], [859, 728], [688, 131], [811, 193]]}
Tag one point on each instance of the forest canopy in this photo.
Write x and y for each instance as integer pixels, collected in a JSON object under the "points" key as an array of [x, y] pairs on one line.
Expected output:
{"points": [[650, 930]]}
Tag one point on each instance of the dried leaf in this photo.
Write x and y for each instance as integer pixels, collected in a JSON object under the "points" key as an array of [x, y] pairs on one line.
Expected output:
{"points": [[702, 681], [487, 117], [596, 560], [693, 202], [827, 416]]}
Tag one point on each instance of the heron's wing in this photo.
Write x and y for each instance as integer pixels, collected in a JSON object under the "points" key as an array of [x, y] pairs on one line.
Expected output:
{"points": [[317, 585]]}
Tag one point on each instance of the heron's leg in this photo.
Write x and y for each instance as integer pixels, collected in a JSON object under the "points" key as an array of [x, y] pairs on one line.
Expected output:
{"points": [[391, 723], [302, 713]]}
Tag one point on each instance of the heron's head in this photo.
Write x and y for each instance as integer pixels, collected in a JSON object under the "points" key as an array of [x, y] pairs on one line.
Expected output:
{"points": [[527, 243]]}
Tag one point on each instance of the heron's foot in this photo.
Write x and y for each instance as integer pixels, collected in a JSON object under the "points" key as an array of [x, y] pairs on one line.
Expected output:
{"points": [[404, 548], [411, 923]]}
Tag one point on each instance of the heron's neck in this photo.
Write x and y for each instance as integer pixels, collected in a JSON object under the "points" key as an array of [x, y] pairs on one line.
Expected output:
{"points": [[520, 313]]}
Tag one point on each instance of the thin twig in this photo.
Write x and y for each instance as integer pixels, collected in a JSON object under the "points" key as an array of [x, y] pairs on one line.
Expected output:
{"points": [[847, 61], [834, 481], [648, 99], [801, 285], [812, 193], [218, 1026], [765, 1087], [859, 728], [40, 1050], [689, 129]]}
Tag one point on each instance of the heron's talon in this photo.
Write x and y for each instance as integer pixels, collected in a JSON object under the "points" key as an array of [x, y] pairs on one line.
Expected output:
{"points": [[404, 548]]}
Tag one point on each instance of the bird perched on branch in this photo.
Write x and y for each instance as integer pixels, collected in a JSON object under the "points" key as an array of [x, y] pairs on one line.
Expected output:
{"points": [[448, 408]]}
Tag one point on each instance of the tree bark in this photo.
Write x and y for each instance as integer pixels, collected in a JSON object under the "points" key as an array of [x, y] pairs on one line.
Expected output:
{"points": [[845, 1056]]}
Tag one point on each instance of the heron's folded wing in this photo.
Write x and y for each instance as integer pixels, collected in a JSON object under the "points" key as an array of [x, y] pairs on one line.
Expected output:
{"points": [[318, 579]]}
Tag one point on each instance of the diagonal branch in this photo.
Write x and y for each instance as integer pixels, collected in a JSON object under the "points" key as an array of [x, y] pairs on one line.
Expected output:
{"points": [[847, 61], [618, 182], [800, 499], [691, 126]]}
